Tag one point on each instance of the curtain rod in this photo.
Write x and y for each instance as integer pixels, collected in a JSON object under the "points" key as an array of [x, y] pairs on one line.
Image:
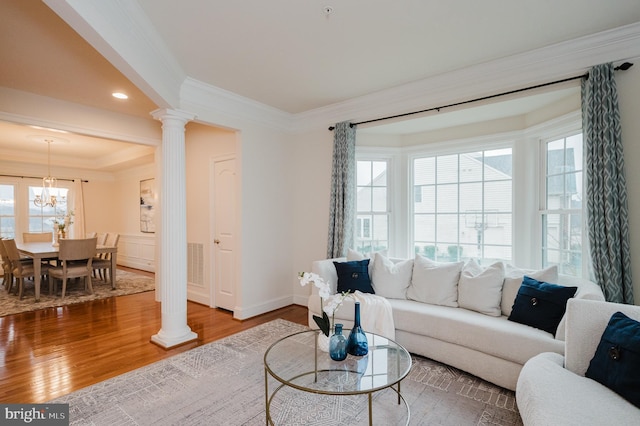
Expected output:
{"points": [[624, 66], [36, 177]]}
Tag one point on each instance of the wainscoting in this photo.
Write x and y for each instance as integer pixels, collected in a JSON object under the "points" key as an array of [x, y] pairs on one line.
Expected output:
{"points": [[137, 251]]}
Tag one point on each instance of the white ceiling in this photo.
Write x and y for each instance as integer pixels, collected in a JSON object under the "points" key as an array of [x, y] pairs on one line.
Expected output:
{"points": [[289, 54]]}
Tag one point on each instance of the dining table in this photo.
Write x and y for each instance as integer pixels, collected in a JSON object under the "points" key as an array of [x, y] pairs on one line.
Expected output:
{"points": [[39, 251]]}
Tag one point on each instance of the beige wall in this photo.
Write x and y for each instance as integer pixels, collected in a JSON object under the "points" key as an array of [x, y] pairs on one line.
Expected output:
{"points": [[203, 144], [629, 98]]}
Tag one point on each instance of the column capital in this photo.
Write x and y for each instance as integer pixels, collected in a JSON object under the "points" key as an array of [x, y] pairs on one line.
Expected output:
{"points": [[166, 113]]}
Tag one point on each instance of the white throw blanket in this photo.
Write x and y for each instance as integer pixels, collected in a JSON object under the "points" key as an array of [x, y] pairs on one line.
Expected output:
{"points": [[376, 315]]}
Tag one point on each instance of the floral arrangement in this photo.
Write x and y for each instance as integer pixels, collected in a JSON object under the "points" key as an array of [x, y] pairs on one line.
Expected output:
{"points": [[333, 300], [62, 222]]}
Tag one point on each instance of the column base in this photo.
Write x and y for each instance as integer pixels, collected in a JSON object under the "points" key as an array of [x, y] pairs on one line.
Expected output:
{"points": [[173, 341]]}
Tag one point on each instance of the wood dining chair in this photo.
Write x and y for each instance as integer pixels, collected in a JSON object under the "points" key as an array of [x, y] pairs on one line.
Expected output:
{"points": [[7, 274], [75, 256], [19, 268], [37, 237]]}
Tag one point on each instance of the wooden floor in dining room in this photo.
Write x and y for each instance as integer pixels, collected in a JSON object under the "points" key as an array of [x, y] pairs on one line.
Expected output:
{"points": [[51, 352]]}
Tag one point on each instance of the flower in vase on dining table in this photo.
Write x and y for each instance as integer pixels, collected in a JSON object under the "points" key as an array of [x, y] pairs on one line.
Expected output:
{"points": [[62, 222], [333, 301]]}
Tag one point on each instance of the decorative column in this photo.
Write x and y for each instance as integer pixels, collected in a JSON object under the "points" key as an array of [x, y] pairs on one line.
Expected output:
{"points": [[172, 228]]}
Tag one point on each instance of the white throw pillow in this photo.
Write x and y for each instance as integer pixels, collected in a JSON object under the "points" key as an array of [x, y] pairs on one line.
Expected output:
{"points": [[480, 289], [513, 281], [435, 283], [356, 255], [390, 279]]}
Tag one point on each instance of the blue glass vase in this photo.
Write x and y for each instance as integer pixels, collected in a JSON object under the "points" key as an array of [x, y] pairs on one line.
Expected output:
{"points": [[357, 344], [338, 345]]}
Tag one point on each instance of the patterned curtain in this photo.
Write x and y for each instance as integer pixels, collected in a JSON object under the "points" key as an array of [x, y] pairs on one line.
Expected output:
{"points": [[343, 190], [606, 189]]}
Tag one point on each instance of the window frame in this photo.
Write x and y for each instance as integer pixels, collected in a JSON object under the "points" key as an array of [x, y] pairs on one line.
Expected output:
{"points": [[21, 200], [543, 208], [458, 148]]}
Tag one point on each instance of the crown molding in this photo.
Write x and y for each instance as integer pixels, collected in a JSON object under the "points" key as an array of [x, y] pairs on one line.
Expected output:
{"points": [[562, 60], [226, 109], [123, 34]]}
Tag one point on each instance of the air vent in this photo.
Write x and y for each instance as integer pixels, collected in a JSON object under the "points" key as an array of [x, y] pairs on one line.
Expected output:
{"points": [[195, 264]]}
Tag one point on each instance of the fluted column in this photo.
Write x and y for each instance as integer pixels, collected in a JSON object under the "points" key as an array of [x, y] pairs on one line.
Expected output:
{"points": [[173, 231]]}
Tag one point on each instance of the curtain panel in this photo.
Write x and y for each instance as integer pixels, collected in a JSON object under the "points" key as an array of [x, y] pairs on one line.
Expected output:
{"points": [[342, 207], [606, 191]]}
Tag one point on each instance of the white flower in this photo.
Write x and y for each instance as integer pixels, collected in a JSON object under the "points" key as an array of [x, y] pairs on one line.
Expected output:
{"points": [[324, 289], [334, 302]]}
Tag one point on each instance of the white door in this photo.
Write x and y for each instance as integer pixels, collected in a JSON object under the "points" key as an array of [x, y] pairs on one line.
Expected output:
{"points": [[224, 210]]}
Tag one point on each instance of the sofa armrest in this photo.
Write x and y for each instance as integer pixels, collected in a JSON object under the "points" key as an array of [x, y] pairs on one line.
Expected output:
{"points": [[586, 321], [327, 271], [548, 394]]}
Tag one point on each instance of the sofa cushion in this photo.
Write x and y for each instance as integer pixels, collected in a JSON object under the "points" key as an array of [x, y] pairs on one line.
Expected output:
{"points": [[434, 282], [480, 289], [353, 275], [390, 279], [488, 334], [540, 304], [513, 280], [616, 363]]}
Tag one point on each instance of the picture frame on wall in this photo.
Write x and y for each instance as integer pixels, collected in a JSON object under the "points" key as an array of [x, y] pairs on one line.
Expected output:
{"points": [[147, 205]]}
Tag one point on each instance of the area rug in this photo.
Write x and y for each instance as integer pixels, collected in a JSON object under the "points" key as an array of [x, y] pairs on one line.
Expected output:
{"points": [[222, 383], [126, 283]]}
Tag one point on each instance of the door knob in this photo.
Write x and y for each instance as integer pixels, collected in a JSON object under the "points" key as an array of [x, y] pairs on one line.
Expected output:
{"points": [[216, 241]]}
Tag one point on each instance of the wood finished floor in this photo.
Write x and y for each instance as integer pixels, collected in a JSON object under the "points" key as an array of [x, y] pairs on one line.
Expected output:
{"points": [[49, 353]]}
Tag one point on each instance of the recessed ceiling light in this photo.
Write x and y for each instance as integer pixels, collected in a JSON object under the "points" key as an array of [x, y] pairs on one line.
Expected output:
{"points": [[119, 95]]}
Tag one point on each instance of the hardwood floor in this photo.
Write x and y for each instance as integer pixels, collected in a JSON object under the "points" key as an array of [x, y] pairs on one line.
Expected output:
{"points": [[49, 353]]}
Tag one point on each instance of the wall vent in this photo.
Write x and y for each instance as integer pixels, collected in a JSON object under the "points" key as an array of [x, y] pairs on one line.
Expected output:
{"points": [[195, 264]]}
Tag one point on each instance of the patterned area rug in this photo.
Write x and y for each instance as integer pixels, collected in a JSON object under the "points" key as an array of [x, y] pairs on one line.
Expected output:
{"points": [[126, 283], [222, 383]]}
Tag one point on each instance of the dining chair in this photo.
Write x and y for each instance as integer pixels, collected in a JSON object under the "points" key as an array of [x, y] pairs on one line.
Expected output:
{"points": [[7, 275], [19, 268], [75, 256], [102, 262], [37, 237]]}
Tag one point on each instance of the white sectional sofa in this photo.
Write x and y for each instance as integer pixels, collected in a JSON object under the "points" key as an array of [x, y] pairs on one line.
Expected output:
{"points": [[486, 345], [553, 389]]}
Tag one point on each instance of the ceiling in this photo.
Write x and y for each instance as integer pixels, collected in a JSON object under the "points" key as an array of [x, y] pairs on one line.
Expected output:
{"points": [[294, 55]]}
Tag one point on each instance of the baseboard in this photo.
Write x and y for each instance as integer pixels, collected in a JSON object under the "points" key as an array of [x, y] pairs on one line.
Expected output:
{"points": [[263, 308]]}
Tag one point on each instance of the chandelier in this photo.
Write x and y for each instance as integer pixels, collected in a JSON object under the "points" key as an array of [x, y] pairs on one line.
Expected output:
{"points": [[47, 197]]}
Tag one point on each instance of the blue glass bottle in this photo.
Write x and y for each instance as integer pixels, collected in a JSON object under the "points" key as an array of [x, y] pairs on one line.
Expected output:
{"points": [[338, 345], [357, 344]]}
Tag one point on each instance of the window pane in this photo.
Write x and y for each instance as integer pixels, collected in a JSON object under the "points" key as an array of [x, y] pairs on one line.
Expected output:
{"points": [[424, 228], [447, 198], [497, 196], [364, 199], [498, 164], [379, 173], [469, 167], [364, 173], [427, 197], [372, 231], [424, 171], [447, 169], [447, 228], [379, 199], [473, 191], [574, 152], [470, 197]]}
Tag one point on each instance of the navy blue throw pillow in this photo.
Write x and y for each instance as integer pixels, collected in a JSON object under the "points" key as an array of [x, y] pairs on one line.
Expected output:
{"points": [[354, 275], [616, 363], [541, 305]]}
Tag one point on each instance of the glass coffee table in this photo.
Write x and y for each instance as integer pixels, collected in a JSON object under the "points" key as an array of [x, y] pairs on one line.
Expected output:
{"points": [[296, 362]]}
